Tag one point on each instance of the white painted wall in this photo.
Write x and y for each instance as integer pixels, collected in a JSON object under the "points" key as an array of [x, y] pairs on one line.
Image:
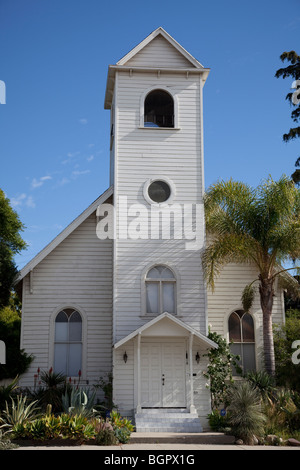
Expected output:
{"points": [[141, 154], [78, 273], [227, 297]]}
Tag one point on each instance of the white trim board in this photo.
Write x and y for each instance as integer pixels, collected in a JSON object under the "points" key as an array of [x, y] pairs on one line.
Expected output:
{"points": [[165, 35], [176, 321]]}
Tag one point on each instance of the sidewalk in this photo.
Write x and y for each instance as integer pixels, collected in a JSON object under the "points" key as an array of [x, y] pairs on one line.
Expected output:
{"points": [[160, 447], [176, 442]]}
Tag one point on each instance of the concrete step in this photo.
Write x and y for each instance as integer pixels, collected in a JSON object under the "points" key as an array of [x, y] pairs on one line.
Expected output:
{"points": [[166, 417], [167, 420], [181, 438], [155, 411]]}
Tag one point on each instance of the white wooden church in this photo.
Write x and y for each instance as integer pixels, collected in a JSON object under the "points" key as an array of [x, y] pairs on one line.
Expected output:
{"points": [[121, 289]]}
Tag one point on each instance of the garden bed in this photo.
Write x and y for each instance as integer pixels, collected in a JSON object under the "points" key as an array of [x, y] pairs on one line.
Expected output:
{"points": [[56, 442]]}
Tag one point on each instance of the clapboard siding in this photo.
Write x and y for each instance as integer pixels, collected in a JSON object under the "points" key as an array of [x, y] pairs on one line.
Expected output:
{"points": [[77, 273], [124, 380], [141, 154], [227, 297], [160, 53]]}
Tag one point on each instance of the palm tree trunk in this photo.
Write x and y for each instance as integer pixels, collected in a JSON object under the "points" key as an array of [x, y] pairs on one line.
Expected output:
{"points": [[266, 300]]}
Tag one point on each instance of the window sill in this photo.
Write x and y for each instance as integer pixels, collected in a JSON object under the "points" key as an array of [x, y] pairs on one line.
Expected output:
{"points": [[160, 128]]}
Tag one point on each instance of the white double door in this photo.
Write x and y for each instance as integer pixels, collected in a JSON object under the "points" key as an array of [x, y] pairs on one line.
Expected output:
{"points": [[163, 374]]}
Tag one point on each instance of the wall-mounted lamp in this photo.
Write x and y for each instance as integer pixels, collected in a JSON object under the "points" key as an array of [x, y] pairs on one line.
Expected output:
{"points": [[125, 357], [197, 357]]}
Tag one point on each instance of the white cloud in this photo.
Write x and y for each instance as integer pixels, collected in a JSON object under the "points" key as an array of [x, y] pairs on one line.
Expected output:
{"points": [[79, 173], [83, 121], [38, 183], [63, 181], [30, 202], [90, 158], [70, 156], [18, 200], [21, 200]]}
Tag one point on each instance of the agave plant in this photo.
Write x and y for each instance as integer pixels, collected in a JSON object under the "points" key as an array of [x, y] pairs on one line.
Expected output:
{"points": [[79, 402], [19, 413]]}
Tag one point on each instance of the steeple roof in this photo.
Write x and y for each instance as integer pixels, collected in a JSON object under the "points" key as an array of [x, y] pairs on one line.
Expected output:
{"points": [[158, 51]]}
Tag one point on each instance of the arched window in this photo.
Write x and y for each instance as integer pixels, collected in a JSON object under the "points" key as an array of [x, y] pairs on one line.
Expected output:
{"points": [[68, 342], [160, 291], [241, 333], [158, 109]]}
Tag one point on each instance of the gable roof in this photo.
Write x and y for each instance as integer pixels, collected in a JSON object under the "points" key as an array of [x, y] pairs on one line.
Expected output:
{"points": [[128, 62], [64, 234], [161, 32], [172, 320]]}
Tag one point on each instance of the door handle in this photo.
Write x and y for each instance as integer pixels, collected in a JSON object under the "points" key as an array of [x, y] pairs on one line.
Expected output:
{"points": [[163, 379]]}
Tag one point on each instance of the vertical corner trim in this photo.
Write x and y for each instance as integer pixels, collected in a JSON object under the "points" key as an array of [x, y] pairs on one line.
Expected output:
{"points": [[31, 282]]}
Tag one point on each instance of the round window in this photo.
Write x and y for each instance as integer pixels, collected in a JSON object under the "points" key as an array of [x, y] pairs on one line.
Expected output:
{"points": [[159, 191]]}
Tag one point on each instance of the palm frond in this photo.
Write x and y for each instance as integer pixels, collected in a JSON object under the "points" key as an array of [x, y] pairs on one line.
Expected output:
{"points": [[221, 251], [260, 225], [248, 296], [288, 282]]}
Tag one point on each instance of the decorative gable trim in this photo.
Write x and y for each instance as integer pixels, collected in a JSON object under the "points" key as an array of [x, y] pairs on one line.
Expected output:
{"points": [[160, 31], [188, 329], [65, 233]]}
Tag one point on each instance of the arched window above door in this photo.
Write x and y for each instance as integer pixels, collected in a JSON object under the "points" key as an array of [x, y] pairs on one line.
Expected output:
{"points": [[160, 290]]}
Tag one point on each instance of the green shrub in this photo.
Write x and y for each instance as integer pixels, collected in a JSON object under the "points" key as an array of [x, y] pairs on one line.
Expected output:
{"points": [[47, 427], [244, 412], [17, 360], [219, 369], [122, 427], [105, 384], [217, 422], [53, 387], [6, 392], [263, 382], [22, 420], [122, 434], [105, 435], [283, 413], [287, 373], [6, 444]]}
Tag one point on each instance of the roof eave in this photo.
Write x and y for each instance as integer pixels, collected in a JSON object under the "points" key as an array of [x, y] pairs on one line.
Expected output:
{"points": [[62, 235], [126, 68], [200, 336]]}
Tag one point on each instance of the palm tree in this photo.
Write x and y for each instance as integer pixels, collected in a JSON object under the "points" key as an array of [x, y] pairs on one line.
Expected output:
{"points": [[260, 226]]}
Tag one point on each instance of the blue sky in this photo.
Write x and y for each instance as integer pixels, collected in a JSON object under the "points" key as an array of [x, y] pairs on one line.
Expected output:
{"points": [[54, 131]]}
